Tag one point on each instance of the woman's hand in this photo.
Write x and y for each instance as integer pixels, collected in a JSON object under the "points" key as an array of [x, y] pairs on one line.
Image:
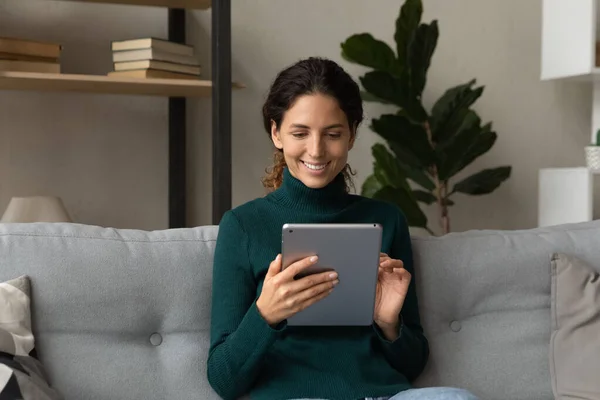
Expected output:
{"points": [[392, 286], [282, 296]]}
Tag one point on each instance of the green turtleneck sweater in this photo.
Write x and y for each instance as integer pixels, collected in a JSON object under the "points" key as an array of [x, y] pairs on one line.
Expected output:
{"points": [[247, 356]]}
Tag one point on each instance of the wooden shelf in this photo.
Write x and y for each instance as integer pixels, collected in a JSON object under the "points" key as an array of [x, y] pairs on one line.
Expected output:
{"points": [[189, 4], [105, 84]]}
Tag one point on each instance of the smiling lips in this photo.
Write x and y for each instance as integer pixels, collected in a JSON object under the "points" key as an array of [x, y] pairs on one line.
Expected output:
{"points": [[315, 167]]}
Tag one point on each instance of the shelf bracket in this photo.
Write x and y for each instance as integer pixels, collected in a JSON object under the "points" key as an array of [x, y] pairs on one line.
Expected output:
{"points": [[177, 134], [221, 109]]}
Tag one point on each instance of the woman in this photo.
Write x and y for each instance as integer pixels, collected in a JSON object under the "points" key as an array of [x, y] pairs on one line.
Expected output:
{"points": [[311, 114]]}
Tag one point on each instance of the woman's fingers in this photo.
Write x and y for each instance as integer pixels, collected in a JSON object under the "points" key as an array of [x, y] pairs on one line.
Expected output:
{"points": [[295, 268], [391, 264], [323, 291], [312, 292], [313, 280], [274, 267]]}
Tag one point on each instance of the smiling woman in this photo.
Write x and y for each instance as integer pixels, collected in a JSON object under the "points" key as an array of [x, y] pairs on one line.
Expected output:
{"points": [[312, 115]]}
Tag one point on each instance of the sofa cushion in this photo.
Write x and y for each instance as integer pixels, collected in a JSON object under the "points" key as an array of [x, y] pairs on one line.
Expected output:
{"points": [[117, 313], [485, 305], [22, 376], [575, 340]]}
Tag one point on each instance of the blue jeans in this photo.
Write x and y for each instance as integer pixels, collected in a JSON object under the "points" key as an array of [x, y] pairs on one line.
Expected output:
{"points": [[432, 393]]}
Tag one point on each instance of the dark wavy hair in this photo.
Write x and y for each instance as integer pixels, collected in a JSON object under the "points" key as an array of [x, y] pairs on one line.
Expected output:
{"points": [[309, 76]]}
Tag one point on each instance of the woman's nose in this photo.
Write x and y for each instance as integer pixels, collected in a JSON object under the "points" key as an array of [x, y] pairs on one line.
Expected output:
{"points": [[316, 147]]}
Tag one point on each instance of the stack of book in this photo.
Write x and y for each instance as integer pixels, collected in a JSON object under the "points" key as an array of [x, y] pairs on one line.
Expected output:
{"points": [[23, 55], [154, 58]]}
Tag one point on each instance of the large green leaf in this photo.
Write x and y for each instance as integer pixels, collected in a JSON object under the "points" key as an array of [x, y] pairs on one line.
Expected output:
{"points": [[406, 202], [483, 182], [395, 90], [469, 143], [366, 96], [408, 20], [424, 197], [370, 186], [406, 158], [411, 138], [451, 155], [417, 175], [383, 85], [420, 51], [477, 148], [484, 143], [470, 120], [429, 198], [415, 109], [365, 50], [386, 168], [449, 112]]}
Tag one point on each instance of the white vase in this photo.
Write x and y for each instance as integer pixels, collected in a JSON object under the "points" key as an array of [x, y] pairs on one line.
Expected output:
{"points": [[592, 158]]}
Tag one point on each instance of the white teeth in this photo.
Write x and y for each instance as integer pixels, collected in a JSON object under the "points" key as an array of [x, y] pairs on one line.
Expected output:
{"points": [[315, 167]]}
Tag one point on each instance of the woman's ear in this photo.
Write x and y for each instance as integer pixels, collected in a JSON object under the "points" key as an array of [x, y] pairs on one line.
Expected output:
{"points": [[275, 136], [352, 137]]}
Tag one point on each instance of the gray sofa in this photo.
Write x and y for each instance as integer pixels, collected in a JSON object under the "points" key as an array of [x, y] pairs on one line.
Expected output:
{"points": [[125, 314]]}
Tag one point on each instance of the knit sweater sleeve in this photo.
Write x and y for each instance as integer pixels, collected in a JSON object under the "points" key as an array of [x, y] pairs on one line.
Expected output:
{"points": [[409, 353], [239, 336]]}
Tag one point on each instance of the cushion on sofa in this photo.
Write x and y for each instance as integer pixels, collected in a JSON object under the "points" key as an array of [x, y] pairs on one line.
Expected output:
{"points": [[484, 298], [22, 376], [117, 313], [575, 344]]}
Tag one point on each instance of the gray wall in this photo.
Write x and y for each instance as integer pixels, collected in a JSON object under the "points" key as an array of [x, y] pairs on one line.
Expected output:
{"points": [[106, 155]]}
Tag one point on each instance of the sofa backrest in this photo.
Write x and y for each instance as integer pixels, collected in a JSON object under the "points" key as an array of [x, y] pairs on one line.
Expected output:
{"points": [[485, 305], [125, 314], [117, 314]]}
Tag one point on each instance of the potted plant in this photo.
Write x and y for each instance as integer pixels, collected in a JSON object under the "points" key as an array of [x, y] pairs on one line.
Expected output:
{"points": [[426, 149], [592, 154]]}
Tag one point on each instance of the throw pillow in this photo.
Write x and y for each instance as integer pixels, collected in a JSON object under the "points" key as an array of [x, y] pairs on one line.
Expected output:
{"points": [[21, 373], [574, 344]]}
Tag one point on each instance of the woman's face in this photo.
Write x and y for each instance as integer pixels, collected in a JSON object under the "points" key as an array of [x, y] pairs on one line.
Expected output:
{"points": [[315, 139]]}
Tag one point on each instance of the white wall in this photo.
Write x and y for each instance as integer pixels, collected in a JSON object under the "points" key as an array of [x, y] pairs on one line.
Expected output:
{"points": [[106, 155]]}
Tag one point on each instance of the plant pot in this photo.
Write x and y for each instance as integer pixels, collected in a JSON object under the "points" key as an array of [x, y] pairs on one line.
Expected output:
{"points": [[592, 158]]}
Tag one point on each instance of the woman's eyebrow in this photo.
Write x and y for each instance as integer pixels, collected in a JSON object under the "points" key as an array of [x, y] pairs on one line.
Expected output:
{"points": [[307, 127]]}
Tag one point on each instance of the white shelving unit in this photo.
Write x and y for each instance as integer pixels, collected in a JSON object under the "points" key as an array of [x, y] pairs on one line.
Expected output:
{"points": [[566, 195], [570, 33]]}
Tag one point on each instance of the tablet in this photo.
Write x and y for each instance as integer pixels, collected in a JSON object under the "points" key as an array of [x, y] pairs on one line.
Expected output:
{"points": [[352, 250]]}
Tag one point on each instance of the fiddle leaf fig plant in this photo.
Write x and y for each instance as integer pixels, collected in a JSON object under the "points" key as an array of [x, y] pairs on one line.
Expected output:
{"points": [[422, 151]]}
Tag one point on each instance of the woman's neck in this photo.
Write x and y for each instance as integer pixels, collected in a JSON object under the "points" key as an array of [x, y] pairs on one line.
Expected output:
{"points": [[295, 194]]}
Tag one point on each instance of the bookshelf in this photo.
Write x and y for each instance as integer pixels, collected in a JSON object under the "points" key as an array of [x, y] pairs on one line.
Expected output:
{"points": [[570, 37], [186, 4], [104, 84], [218, 88]]}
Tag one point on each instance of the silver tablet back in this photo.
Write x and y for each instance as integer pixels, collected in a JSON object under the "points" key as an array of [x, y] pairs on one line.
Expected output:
{"points": [[352, 250]]}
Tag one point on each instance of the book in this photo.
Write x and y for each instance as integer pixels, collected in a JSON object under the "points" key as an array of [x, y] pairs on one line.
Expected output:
{"points": [[158, 65], [153, 54], [11, 45], [23, 57], [154, 43], [29, 66], [152, 73]]}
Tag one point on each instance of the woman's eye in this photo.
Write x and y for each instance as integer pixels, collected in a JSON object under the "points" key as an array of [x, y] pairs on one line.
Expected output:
{"points": [[334, 135], [299, 135]]}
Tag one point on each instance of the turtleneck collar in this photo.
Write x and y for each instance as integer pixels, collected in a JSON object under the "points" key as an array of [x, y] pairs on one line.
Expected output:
{"points": [[295, 194]]}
